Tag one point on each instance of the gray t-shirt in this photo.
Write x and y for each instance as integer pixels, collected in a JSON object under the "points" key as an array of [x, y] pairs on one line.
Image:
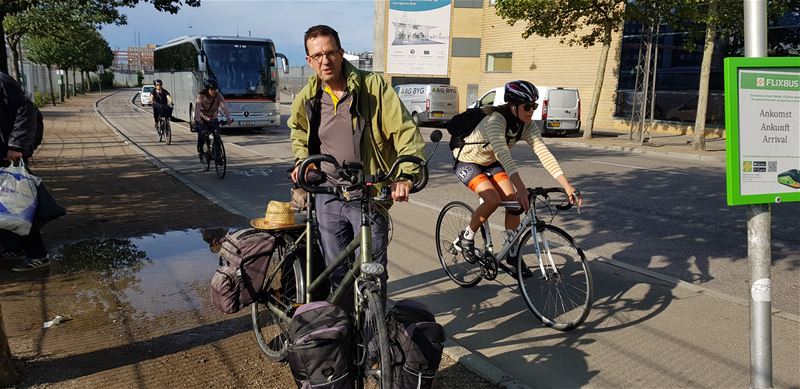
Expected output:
{"points": [[336, 134]]}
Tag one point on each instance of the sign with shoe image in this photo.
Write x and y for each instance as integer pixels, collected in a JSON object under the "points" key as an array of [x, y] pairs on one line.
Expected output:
{"points": [[762, 124]]}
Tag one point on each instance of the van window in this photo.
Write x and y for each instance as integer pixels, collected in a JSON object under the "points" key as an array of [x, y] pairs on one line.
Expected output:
{"points": [[488, 99], [562, 98]]}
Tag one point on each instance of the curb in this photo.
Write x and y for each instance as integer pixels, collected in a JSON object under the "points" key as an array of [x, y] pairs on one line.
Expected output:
{"points": [[481, 366], [637, 150], [159, 164]]}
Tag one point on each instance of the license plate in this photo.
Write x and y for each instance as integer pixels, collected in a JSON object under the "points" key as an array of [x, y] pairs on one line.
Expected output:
{"points": [[554, 124], [246, 123], [437, 114]]}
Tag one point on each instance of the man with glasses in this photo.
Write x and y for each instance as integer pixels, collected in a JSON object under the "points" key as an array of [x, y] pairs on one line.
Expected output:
{"points": [[355, 116], [162, 102], [485, 166]]}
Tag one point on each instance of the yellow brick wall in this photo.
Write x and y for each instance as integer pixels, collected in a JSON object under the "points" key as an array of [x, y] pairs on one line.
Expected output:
{"points": [[547, 62]]}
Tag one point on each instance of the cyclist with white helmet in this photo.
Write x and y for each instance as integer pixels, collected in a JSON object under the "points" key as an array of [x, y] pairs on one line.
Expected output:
{"points": [[484, 163], [209, 102]]}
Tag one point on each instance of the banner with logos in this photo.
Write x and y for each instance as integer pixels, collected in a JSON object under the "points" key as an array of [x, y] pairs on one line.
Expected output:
{"points": [[419, 37]]}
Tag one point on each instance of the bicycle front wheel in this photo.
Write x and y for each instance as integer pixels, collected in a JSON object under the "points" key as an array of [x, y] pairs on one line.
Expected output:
{"points": [[377, 357], [284, 289], [453, 218], [168, 131], [560, 291], [220, 160]]}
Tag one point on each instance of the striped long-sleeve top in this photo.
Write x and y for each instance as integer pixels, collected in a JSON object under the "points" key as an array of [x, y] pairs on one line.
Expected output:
{"points": [[492, 129]]}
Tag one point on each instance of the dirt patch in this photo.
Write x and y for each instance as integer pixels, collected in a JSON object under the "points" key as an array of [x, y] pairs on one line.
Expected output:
{"points": [[112, 194]]}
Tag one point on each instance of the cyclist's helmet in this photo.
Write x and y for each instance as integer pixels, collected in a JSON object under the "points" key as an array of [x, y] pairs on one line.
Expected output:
{"points": [[520, 92], [210, 83], [157, 81]]}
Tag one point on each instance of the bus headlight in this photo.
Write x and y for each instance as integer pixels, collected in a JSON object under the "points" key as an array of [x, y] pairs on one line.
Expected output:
{"points": [[272, 113]]}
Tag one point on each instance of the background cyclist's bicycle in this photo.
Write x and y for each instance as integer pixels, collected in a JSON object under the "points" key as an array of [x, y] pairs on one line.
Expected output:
{"points": [[551, 269], [213, 150], [164, 128]]}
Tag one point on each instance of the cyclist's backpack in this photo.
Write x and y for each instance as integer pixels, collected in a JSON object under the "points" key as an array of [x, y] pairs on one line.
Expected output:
{"points": [[320, 349], [461, 125], [244, 257], [417, 342]]}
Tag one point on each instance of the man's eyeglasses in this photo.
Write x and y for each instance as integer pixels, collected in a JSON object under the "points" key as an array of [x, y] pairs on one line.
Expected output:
{"points": [[330, 55], [529, 106]]}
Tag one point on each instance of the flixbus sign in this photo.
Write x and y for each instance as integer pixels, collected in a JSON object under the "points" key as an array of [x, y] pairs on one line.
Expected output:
{"points": [[762, 126]]}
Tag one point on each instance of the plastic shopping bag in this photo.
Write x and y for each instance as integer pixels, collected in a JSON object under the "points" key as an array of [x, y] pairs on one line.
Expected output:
{"points": [[17, 198]]}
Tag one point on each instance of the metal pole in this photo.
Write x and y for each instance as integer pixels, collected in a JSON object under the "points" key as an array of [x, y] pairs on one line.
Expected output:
{"points": [[758, 230]]}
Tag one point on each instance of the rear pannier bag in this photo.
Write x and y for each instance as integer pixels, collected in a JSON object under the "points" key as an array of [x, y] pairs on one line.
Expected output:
{"points": [[244, 257], [417, 343], [320, 350]]}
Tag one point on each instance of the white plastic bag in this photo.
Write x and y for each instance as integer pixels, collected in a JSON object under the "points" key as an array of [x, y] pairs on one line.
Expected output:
{"points": [[17, 199]]}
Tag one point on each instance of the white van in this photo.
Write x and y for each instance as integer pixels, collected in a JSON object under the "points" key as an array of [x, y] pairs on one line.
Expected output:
{"points": [[429, 103], [559, 108]]}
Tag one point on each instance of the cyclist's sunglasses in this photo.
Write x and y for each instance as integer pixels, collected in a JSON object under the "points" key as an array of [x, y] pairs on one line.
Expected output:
{"points": [[529, 106], [158, 84]]}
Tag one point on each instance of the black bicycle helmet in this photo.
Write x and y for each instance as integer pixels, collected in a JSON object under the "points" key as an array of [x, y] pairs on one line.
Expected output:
{"points": [[157, 81], [210, 83], [520, 92]]}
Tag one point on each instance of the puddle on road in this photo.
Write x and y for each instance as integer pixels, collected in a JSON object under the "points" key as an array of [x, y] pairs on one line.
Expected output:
{"points": [[146, 276]]}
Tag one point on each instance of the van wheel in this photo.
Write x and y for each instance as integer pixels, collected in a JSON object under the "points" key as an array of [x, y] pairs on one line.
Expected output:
{"points": [[415, 118]]}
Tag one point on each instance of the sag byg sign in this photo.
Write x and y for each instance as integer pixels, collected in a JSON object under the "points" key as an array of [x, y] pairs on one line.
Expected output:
{"points": [[762, 125]]}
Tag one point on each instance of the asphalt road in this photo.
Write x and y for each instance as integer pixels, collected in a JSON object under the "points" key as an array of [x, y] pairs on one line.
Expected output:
{"points": [[646, 213]]}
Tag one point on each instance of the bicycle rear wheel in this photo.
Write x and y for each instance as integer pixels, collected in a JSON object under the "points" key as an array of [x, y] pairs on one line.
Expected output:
{"points": [[376, 370], [560, 291], [453, 218], [220, 160], [284, 289]]}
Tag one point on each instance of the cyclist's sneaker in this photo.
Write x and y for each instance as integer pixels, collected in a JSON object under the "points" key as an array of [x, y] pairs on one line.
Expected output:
{"points": [[30, 264], [467, 248], [512, 263]]}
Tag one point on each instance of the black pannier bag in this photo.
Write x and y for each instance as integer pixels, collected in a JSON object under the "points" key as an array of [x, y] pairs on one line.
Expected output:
{"points": [[244, 257], [417, 342], [320, 350]]}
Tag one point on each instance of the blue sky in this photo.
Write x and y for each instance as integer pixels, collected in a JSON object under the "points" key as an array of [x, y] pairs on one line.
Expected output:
{"points": [[282, 21]]}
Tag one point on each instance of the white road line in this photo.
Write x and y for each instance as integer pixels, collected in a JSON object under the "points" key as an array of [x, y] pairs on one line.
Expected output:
{"points": [[632, 167]]}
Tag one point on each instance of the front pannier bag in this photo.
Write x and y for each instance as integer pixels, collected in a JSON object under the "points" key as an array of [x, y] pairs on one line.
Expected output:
{"points": [[244, 257], [417, 342], [320, 350]]}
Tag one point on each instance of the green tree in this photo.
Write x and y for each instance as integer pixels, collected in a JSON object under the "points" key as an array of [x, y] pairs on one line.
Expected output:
{"points": [[13, 7], [711, 20]]}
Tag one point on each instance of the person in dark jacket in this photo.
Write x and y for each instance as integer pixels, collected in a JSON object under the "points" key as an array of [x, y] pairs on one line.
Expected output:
{"points": [[18, 126]]}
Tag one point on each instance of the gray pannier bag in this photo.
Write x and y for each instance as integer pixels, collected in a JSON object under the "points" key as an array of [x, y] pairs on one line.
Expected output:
{"points": [[320, 350], [417, 343], [244, 257]]}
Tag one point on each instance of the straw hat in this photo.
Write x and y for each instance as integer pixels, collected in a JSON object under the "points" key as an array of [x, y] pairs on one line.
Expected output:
{"points": [[278, 215]]}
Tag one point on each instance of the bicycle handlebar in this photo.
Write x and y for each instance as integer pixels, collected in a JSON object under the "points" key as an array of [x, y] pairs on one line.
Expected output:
{"points": [[543, 192], [367, 179]]}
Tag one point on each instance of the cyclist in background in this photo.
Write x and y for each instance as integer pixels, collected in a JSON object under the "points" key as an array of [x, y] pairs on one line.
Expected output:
{"points": [[485, 165], [209, 102], [162, 102]]}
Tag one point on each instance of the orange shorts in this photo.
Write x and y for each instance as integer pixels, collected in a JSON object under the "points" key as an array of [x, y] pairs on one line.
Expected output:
{"points": [[472, 174]]}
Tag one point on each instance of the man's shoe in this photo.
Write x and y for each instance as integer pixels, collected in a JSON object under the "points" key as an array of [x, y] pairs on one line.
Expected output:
{"points": [[467, 248], [30, 264], [512, 263], [8, 255]]}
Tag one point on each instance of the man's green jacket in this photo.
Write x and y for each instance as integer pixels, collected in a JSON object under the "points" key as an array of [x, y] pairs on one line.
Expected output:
{"points": [[387, 130]]}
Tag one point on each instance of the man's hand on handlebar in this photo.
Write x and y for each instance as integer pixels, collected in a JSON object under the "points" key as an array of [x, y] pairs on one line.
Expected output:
{"points": [[401, 190], [296, 171]]}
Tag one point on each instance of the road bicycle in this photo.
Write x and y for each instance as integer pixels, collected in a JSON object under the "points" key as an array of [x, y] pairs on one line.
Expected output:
{"points": [[290, 280], [163, 127], [214, 150], [551, 270]]}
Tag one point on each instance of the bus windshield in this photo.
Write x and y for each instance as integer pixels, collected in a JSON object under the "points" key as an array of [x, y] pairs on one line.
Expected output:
{"points": [[243, 69]]}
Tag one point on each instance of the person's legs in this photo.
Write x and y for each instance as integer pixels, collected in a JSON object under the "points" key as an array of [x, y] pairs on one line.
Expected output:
{"points": [[36, 256], [335, 232], [201, 138], [155, 114]]}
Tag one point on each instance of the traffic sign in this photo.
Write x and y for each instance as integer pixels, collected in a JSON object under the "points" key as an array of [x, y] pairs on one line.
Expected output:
{"points": [[762, 125]]}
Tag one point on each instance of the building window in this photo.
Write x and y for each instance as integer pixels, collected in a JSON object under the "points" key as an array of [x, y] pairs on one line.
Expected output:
{"points": [[498, 62], [466, 47], [468, 3]]}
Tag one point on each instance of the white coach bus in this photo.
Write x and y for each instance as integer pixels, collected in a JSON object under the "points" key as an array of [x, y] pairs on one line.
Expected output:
{"points": [[244, 67]]}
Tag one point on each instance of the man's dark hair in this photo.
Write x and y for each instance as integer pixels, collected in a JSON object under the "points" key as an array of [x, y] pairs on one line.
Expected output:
{"points": [[321, 30]]}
